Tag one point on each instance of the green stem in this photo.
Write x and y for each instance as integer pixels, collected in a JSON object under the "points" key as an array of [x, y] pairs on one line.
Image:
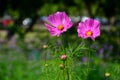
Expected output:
{"points": [[64, 40], [64, 74], [65, 45], [47, 73], [67, 73], [45, 57], [88, 59], [64, 70], [87, 42], [58, 77], [67, 70], [89, 52], [46, 65]]}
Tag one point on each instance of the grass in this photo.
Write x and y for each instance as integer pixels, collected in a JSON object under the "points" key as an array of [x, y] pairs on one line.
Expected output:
{"points": [[16, 67]]}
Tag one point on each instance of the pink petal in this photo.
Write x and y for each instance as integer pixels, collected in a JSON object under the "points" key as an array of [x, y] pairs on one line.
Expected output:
{"points": [[81, 30], [56, 18], [93, 38], [66, 21], [96, 25], [96, 28], [53, 31], [96, 33], [89, 23]]}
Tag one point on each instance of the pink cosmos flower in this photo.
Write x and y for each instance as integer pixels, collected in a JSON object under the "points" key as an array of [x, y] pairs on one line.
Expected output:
{"points": [[90, 28], [58, 23]]}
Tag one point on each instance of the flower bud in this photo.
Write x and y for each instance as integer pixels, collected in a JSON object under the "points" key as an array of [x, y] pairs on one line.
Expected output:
{"points": [[63, 57], [107, 74], [45, 46], [62, 66], [46, 65]]}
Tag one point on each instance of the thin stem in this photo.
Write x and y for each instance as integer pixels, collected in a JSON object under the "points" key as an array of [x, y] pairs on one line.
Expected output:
{"points": [[64, 74], [45, 57], [58, 77], [88, 56], [64, 70], [47, 73], [89, 52], [89, 59], [67, 71], [67, 74], [64, 40], [46, 65], [65, 45], [106, 78]]}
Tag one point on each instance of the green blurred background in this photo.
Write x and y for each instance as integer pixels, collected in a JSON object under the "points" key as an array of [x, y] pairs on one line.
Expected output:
{"points": [[22, 36]]}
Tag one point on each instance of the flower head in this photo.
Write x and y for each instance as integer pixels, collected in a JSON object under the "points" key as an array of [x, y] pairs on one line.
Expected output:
{"points": [[89, 28], [58, 23]]}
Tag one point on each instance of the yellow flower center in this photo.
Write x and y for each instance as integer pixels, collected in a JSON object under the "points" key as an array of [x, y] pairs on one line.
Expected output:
{"points": [[60, 27], [89, 33]]}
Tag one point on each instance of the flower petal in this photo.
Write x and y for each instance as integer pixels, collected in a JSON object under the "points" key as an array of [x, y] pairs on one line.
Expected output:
{"points": [[81, 30], [53, 31], [56, 18], [96, 33], [96, 25], [66, 21], [89, 23]]}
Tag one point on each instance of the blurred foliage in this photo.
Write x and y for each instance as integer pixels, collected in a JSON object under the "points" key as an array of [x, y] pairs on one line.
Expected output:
{"points": [[29, 8], [19, 10], [16, 67]]}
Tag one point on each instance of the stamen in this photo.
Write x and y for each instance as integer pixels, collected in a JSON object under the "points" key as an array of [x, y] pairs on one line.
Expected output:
{"points": [[89, 33], [60, 27]]}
